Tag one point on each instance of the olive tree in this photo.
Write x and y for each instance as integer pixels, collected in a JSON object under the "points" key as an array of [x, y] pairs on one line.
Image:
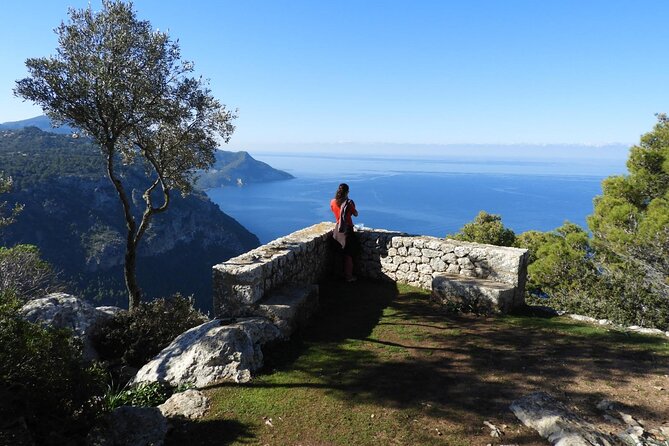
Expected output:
{"points": [[125, 85]]}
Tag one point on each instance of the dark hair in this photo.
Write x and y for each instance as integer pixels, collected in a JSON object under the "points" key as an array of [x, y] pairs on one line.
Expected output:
{"points": [[342, 193]]}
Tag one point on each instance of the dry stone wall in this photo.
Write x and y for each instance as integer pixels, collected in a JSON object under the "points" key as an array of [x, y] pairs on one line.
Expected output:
{"points": [[307, 256], [415, 259], [302, 257]]}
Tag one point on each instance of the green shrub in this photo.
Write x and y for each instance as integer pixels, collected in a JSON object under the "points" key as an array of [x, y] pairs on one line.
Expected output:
{"points": [[561, 260], [134, 337], [565, 273], [143, 395], [24, 274], [486, 228], [42, 377]]}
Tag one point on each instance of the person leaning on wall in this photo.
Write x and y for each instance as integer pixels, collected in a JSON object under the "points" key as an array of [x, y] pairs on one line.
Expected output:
{"points": [[344, 210]]}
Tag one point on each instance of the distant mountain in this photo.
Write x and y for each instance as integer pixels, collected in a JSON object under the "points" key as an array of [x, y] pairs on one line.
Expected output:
{"points": [[230, 168], [41, 122], [72, 213], [238, 168]]}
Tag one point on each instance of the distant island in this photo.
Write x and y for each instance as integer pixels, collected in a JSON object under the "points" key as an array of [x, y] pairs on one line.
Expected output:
{"points": [[239, 169]]}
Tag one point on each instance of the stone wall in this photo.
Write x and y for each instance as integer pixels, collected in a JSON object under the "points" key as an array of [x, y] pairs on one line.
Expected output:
{"points": [[302, 257], [415, 259], [307, 256]]}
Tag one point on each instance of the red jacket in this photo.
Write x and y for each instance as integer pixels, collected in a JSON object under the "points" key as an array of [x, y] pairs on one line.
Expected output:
{"points": [[336, 210]]}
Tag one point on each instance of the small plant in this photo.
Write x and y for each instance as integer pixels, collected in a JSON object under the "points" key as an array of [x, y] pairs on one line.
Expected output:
{"points": [[142, 395]]}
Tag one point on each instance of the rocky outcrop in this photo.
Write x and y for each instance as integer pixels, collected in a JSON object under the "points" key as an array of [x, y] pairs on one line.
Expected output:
{"points": [[60, 310], [212, 352], [553, 421], [130, 426]]}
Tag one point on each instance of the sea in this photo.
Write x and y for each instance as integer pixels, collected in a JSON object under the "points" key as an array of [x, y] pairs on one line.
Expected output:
{"points": [[424, 194]]}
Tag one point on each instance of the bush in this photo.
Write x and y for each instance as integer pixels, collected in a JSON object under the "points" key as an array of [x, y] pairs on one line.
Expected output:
{"points": [[43, 379], [566, 274], [134, 337], [486, 228], [143, 395], [24, 274]]}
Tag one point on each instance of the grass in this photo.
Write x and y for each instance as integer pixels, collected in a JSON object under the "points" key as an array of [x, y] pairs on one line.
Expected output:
{"points": [[382, 364]]}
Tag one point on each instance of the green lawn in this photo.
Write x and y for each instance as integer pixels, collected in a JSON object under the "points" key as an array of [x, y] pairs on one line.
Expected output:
{"points": [[382, 364]]}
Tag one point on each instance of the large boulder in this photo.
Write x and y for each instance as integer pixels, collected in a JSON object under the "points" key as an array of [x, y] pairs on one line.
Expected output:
{"points": [[130, 426], [60, 310], [212, 352]]}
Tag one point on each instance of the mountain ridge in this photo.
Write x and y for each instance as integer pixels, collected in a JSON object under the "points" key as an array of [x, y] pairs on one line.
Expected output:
{"points": [[229, 169]]}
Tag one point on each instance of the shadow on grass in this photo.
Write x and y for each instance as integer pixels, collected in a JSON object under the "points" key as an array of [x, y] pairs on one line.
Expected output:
{"points": [[208, 432], [458, 366]]}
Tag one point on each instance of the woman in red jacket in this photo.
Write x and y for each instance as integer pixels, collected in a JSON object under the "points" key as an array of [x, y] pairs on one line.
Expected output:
{"points": [[344, 209]]}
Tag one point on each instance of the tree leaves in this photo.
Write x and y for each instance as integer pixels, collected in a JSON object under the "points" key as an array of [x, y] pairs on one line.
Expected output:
{"points": [[124, 84]]}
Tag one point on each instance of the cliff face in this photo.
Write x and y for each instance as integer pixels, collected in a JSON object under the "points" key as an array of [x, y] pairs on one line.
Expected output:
{"points": [[73, 214]]}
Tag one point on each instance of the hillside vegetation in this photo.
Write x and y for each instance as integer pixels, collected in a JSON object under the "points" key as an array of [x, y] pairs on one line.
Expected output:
{"points": [[619, 270], [72, 215]]}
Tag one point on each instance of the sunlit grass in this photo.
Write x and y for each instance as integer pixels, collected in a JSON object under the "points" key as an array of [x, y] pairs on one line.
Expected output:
{"points": [[378, 366]]}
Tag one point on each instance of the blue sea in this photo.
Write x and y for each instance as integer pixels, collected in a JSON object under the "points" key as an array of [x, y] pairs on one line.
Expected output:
{"points": [[427, 195]]}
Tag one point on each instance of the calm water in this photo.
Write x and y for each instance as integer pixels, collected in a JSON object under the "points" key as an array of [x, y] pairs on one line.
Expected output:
{"points": [[431, 195]]}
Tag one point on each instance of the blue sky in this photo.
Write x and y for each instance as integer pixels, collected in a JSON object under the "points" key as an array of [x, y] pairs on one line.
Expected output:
{"points": [[422, 72]]}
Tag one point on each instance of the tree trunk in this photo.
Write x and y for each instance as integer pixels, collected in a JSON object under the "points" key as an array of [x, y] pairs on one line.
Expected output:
{"points": [[134, 293]]}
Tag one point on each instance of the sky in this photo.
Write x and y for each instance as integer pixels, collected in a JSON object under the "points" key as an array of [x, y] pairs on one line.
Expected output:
{"points": [[399, 72]]}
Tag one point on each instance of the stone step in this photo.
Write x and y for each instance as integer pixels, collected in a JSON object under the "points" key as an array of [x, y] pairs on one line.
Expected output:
{"points": [[289, 307], [474, 294]]}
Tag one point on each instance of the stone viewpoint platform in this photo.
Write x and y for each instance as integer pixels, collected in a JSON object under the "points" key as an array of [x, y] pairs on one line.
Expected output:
{"points": [[279, 279]]}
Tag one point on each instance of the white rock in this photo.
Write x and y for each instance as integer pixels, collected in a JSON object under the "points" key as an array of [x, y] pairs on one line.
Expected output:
{"points": [[430, 253], [553, 421], [60, 310], [461, 251], [211, 352], [453, 269], [190, 404]]}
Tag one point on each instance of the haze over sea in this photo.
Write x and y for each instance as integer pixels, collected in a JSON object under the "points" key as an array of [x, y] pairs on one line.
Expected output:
{"points": [[427, 193]]}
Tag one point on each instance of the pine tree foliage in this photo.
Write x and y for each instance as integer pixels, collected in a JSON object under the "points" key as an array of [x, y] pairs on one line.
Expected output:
{"points": [[630, 222]]}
